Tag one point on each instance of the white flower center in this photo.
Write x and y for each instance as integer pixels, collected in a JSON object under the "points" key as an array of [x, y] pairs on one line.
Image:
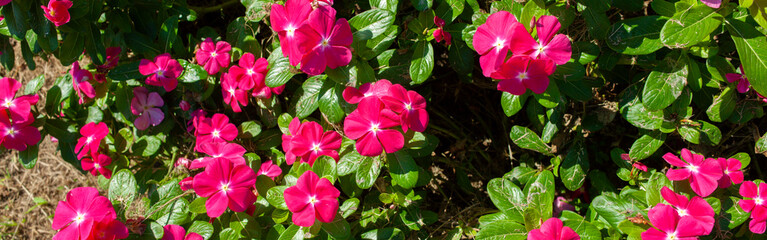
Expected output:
{"points": [[726, 172], [758, 201], [316, 148], [160, 73], [671, 236], [312, 200], [213, 54], [10, 131], [79, 218], [522, 76], [250, 71], [216, 133], [540, 50], [499, 44], [96, 165], [693, 168], [290, 30], [8, 102], [225, 187], [231, 91], [408, 106], [682, 212], [325, 42], [374, 128], [89, 139]]}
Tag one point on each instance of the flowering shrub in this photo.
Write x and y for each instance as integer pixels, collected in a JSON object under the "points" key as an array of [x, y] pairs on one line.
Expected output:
{"points": [[321, 119]]}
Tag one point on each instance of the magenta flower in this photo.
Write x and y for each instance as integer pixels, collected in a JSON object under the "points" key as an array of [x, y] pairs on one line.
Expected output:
{"points": [[376, 89], [493, 40], [213, 56], [92, 134], [702, 173], [57, 11], [553, 229], [549, 46], [97, 164], [215, 129], [696, 211], [264, 92], [742, 81], [146, 105], [184, 105], [4, 2], [369, 126], [18, 135], [269, 169], [285, 21], [668, 225], [232, 151], [80, 78], [440, 34], [520, 73], [109, 229], [323, 43], [226, 184], [20, 107], [755, 201], [287, 140], [176, 232], [561, 205], [164, 71], [410, 105], [712, 3], [640, 166], [732, 174], [251, 72], [186, 183], [182, 161], [312, 198], [311, 142], [234, 91], [113, 56], [75, 217]]}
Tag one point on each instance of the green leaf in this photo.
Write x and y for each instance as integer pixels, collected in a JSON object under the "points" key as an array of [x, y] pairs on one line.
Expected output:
{"points": [[350, 160], [339, 228], [541, 193], [203, 228], [733, 215], [752, 49], [383, 233], [280, 71], [757, 9], [376, 45], [169, 33], [192, 72], [421, 5], [502, 230], [94, 45], [123, 187], [526, 138], [34, 85], [250, 129], [636, 36], [583, 228], [403, 169], [16, 19], [701, 132], [308, 96], [368, 171], [690, 26], [575, 167], [665, 82], [127, 71], [95, 114], [639, 116], [549, 98], [28, 157], [653, 185], [71, 48], [275, 198], [597, 22], [294, 232], [325, 167], [614, 209], [390, 5], [723, 105], [761, 144], [507, 197], [330, 102], [371, 23], [646, 145], [175, 213], [512, 104], [422, 62], [256, 9]]}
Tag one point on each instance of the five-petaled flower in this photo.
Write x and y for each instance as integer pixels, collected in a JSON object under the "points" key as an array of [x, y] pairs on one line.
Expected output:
{"points": [[553, 229], [214, 129], [86, 215], [96, 164], [146, 105], [226, 184], [20, 108], [163, 71], [285, 21], [667, 224], [92, 134], [703, 173], [324, 41], [410, 105], [370, 126], [755, 201], [57, 11], [213, 56], [731, 172], [311, 142], [493, 40], [312, 198], [176, 232], [740, 79], [81, 84], [440, 33], [695, 210], [549, 46], [234, 91], [376, 89], [520, 73]]}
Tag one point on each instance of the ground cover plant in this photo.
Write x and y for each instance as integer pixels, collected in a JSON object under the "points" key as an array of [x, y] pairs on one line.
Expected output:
{"points": [[387, 119]]}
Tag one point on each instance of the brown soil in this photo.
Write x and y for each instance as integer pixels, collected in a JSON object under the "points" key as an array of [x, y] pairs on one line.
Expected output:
{"points": [[49, 181]]}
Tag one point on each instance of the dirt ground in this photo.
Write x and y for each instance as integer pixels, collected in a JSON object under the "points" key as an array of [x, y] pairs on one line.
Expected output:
{"points": [[28, 197]]}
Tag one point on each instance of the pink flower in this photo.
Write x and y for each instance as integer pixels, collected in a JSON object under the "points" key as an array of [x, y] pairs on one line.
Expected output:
{"points": [[57, 11], [640, 166], [369, 124], [19, 107], [4, 2], [270, 170], [251, 72], [226, 184], [493, 40], [75, 217], [520, 73], [264, 92], [549, 46], [702, 173], [410, 105], [312, 198], [184, 105], [376, 89], [553, 229], [97, 164], [146, 105], [232, 151], [561, 205], [696, 211], [323, 43], [18, 135], [164, 71], [113, 56], [287, 140], [197, 117], [234, 91], [182, 161], [732, 173], [186, 183], [668, 225], [109, 229], [440, 34], [311, 142], [743, 84], [754, 201], [213, 56], [712, 3], [176, 232], [285, 21], [92, 134], [80, 78], [215, 129]]}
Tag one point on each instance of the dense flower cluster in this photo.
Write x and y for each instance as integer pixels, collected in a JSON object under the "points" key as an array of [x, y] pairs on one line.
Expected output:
{"points": [[86, 215], [88, 149], [16, 118], [532, 61]]}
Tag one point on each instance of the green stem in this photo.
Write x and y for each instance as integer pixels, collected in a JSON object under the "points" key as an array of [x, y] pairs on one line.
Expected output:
{"points": [[204, 10]]}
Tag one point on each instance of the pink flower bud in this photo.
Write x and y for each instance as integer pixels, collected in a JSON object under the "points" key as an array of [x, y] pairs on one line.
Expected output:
{"points": [[184, 105], [186, 183]]}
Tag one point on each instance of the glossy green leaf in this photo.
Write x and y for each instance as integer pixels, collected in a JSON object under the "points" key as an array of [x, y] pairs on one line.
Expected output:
{"points": [[752, 48], [422, 62], [280, 71], [575, 167], [123, 187], [690, 26], [646, 145], [526, 138], [371, 23], [403, 169], [665, 82], [636, 36]]}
